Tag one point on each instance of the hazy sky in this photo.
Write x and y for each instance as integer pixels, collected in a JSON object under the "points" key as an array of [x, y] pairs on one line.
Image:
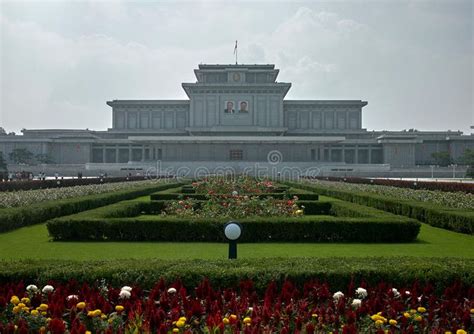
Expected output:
{"points": [[411, 60]]}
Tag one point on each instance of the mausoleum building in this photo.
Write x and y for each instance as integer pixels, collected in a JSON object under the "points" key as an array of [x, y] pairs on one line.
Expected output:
{"points": [[238, 113]]}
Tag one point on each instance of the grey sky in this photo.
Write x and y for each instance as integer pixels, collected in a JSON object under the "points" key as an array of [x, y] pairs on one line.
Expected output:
{"points": [[411, 60]]}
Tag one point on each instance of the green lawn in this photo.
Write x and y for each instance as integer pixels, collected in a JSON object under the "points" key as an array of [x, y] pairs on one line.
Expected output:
{"points": [[33, 243]]}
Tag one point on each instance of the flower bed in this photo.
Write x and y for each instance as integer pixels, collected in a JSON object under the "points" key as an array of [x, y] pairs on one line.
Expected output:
{"points": [[59, 183], [235, 207], [25, 215], [426, 185], [334, 221], [228, 185], [172, 308], [457, 200], [23, 198], [432, 209]]}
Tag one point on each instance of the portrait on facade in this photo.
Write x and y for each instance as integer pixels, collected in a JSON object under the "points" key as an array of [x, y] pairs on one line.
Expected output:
{"points": [[243, 107], [229, 107]]}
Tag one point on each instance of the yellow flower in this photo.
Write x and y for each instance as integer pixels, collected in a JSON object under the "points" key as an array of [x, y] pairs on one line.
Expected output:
{"points": [[88, 332], [247, 320], [393, 322], [175, 330], [418, 318], [81, 305], [35, 312], [233, 317], [42, 307], [103, 316], [119, 308], [314, 315], [96, 313], [44, 313], [25, 300], [25, 309], [472, 310], [225, 321], [183, 319], [180, 323], [407, 315], [378, 323], [461, 331], [421, 309], [90, 314], [448, 333], [14, 300], [412, 311], [16, 309], [21, 305]]}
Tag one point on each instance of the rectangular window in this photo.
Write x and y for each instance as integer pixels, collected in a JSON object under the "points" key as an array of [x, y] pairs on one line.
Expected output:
{"points": [[159, 154], [236, 154], [313, 154]]}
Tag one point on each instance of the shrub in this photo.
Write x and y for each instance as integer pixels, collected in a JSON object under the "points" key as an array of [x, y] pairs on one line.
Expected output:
{"points": [[60, 183], [340, 272], [255, 229], [452, 219], [13, 218], [174, 196]]}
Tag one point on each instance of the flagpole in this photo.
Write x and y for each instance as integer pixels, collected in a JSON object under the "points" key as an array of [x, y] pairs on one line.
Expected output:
{"points": [[235, 52]]}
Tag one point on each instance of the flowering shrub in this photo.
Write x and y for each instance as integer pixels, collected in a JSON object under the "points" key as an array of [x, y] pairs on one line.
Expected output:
{"points": [[312, 308], [427, 185], [233, 206], [457, 200], [239, 185], [21, 198]]}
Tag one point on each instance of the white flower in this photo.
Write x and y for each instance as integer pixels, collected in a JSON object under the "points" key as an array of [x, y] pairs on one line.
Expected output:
{"points": [[48, 289], [250, 309], [124, 294], [356, 303], [235, 193], [408, 293], [72, 297], [126, 288], [361, 293], [337, 295], [395, 292], [171, 290], [32, 288]]}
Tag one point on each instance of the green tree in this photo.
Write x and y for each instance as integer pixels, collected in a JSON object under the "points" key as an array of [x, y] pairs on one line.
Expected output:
{"points": [[21, 156], [3, 163], [468, 159], [44, 158], [441, 158]]}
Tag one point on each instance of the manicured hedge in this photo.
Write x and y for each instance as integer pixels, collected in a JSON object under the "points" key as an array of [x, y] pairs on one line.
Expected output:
{"points": [[13, 218], [451, 219], [338, 272], [427, 185], [43, 184], [174, 196], [256, 229]]}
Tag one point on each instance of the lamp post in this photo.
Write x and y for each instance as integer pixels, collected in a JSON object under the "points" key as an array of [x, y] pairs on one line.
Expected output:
{"points": [[454, 170], [432, 170], [232, 231]]}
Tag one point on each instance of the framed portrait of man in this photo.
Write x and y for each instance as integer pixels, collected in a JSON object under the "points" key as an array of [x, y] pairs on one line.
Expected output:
{"points": [[243, 107], [229, 107]]}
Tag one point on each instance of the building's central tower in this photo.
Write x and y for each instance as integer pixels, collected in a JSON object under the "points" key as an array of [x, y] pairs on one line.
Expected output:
{"points": [[236, 99]]}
